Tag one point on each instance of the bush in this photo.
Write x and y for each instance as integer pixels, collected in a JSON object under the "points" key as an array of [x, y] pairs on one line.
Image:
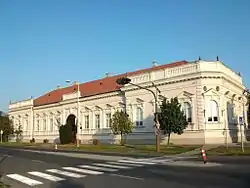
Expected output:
{"points": [[32, 140], [45, 141], [65, 133], [96, 142]]}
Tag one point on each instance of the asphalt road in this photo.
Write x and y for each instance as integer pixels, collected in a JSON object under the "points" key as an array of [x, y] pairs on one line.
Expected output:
{"points": [[240, 160], [47, 171]]}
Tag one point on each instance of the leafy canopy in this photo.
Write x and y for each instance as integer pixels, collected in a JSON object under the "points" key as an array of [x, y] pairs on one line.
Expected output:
{"points": [[121, 123], [171, 118], [6, 124]]}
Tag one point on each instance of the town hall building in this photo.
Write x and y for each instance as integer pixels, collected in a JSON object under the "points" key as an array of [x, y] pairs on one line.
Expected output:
{"points": [[210, 93]]}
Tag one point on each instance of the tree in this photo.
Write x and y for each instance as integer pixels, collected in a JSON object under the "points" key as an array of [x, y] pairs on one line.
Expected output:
{"points": [[6, 126], [65, 134], [171, 118], [18, 133], [121, 124]]}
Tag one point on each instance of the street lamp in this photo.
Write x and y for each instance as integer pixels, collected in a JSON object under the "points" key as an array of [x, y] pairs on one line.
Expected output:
{"points": [[245, 93], [78, 113], [123, 81]]}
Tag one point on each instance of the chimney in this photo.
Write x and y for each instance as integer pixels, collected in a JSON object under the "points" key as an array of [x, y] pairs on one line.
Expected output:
{"points": [[154, 64], [107, 74]]}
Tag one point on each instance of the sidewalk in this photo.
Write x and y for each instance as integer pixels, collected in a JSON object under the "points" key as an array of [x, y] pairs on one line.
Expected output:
{"points": [[81, 155], [103, 153]]}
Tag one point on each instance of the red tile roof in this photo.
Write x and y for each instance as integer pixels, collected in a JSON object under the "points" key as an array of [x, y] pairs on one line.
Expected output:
{"points": [[104, 85]]}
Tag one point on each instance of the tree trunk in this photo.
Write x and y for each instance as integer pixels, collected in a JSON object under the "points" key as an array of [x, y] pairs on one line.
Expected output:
{"points": [[122, 139], [125, 139], [168, 138]]}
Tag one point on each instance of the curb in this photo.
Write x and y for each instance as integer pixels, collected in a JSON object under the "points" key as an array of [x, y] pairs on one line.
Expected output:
{"points": [[86, 152], [192, 164]]}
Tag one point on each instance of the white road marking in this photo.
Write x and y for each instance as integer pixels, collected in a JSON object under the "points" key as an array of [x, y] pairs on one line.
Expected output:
{"points": [[24, 179], [65, 173], [98, 168], [46, 176], [38, 161], [86, 171], [117, 163], [111, 166], [137, 162], [130, 177], [8, 155]]}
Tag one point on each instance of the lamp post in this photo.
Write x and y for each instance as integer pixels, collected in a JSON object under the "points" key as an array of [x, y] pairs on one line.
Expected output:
{"points": [[78, 113], [123, 81], [244, 93]]}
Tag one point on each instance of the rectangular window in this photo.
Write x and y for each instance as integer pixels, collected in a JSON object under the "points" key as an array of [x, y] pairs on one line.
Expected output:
{"points": [[97, 121], [44, 124], [86, 121], [26, 125], [139, 117], [37, 125], [108, 120], [51, 124]]}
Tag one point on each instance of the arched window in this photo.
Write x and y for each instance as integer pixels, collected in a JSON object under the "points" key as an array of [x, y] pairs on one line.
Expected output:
{"points": [[187, 111], [213, 111], [139, 117]]}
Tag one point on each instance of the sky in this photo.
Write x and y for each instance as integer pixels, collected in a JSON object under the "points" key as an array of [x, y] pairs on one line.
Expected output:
{"points": [[44, 42]]}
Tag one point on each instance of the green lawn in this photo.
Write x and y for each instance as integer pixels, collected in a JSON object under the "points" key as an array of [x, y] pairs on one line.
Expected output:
{"points": [[110, 148], [230, 151]]}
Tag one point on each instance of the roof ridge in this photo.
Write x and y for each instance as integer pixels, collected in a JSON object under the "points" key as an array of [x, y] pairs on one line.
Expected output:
{"points": [[98, 86], [132, 72]]}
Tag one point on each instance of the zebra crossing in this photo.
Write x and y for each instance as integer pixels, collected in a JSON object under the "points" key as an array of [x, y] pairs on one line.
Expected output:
{"points": [[79, 171]]}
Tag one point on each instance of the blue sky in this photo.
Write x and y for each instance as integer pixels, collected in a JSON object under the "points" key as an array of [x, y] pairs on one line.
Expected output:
{"points": [[43, 43]]}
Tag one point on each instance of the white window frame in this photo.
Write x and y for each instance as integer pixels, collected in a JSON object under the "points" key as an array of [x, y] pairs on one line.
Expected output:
{"points": [[38, 124], [139, 117], [187, 109], [108, 119], [51, 124], [44, 124], [97, 121], [86, 121], [213, 111]]}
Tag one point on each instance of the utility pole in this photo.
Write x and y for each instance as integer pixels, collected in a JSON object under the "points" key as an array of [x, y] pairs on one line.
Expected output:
{"points": [[124, 81]]}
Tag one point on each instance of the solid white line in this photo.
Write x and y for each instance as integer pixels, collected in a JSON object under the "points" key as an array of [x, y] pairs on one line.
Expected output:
{"points": [[117, 163], [130, 177], [137, 162], [86, 171], [111, 166], [46, 176], [65, 173], [98, 168], [24, 179]]}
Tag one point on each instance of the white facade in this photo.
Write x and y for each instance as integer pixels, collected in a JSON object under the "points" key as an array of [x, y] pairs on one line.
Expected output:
{"points": [[210, 93]]}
